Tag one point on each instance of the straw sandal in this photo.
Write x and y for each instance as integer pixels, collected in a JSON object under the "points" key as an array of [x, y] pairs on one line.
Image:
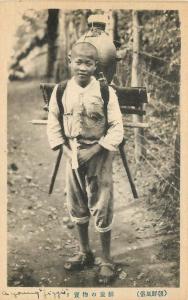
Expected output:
{"points": [[104, 276], [79, 261]]}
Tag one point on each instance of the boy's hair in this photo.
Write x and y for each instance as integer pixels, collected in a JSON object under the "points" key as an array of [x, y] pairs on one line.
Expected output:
{"points": [[85, 48]]}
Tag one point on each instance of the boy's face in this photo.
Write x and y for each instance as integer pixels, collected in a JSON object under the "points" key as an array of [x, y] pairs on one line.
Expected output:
{"points": [[83, 65]]}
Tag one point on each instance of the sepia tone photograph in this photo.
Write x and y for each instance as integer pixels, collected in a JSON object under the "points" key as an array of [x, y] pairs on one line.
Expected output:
{"points": [[93, 132]]}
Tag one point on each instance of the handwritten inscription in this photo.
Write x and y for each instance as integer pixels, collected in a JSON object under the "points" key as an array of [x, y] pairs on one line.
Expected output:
{"points": [[60, 294]]}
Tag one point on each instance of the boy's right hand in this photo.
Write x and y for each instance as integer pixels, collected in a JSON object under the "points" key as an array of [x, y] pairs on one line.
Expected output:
{"points": [[84, 155]]}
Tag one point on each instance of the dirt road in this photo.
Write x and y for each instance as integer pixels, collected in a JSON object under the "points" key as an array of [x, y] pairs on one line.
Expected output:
{"points": [[40, 234]]}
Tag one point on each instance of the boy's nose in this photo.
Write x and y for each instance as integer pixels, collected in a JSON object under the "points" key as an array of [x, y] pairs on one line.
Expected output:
{"points": [[83, 67]]}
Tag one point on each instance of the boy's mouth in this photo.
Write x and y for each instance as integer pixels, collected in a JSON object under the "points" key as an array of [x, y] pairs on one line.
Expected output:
{"points": [[82, 74]]}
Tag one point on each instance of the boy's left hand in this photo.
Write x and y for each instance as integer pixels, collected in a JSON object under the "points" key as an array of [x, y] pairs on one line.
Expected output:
{"points": [[86, 154]]}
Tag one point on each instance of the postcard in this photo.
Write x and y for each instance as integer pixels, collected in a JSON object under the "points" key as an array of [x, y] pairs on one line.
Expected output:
{"points": [[93, 150]]}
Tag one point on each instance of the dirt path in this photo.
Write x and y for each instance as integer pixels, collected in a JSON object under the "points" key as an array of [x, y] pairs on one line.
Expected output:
{"points": [[40, 235]]}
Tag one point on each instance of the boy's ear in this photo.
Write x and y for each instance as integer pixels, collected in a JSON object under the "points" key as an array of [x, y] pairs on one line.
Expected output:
{"points": [[96, 64], [69, 58]]}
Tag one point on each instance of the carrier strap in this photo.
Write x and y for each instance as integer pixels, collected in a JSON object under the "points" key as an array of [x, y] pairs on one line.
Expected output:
{"points": [[104, 89]]}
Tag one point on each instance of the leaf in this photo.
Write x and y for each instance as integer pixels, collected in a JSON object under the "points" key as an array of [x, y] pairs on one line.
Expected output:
{"points": [[123, 275], [141, 275]]}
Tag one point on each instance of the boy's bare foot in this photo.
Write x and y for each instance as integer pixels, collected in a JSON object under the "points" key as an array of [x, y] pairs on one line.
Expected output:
{"points": [[106, 272]]}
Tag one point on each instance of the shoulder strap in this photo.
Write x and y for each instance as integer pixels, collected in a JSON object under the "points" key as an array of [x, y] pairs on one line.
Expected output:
{"points": [[105, 96], [104, 89], [59, 94]]}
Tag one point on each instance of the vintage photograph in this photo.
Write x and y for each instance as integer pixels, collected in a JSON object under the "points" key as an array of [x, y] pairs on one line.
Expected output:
{"points": [[93, 131]]}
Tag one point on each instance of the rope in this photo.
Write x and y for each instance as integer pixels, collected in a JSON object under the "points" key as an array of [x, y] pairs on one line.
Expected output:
{"points": [[160, 175], [159, 156], [167, 169], [157, 57], [158, 137], [149, 55], [162, 104], [160, 78]]}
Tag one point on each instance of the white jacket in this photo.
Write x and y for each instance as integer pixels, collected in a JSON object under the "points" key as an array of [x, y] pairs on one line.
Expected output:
{"points": [[84, 116]]}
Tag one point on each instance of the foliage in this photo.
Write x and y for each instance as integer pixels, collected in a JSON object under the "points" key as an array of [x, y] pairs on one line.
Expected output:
{"points": [[164, 44], [159, 57], [30, 34], [33, 24]]}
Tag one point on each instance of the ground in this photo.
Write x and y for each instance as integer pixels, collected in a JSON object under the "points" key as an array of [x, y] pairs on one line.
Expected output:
{"points": [[40, 234]]}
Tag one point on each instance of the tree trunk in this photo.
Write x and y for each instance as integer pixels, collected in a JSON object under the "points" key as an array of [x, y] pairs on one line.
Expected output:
{"points": [[52, 26], [61, 64], [111, 27], [138, 132]]}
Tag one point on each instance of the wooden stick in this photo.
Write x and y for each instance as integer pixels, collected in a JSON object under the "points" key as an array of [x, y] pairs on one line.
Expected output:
{"points": [[137, 125], [55, 170], [132, 124], [127, 110], [38, 122], [125, 164]]}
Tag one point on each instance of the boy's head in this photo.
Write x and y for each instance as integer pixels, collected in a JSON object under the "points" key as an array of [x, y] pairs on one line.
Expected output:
{"points": [[83, 62]]}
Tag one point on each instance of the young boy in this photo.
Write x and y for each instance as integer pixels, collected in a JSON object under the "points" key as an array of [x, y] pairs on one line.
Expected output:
{"points": [[89, 146]]}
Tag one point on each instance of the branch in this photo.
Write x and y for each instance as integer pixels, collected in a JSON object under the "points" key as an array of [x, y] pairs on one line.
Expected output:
{"points": [[29, 47]]}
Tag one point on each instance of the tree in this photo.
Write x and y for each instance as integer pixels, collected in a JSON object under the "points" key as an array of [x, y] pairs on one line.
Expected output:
{"points": [[52, 33]]}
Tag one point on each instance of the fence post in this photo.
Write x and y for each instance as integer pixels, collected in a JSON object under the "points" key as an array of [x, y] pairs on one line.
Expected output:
{"points": [[138, 132]]}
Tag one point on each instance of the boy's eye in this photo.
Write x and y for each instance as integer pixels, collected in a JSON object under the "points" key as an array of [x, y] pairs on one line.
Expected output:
{"points": [[88, 63]]}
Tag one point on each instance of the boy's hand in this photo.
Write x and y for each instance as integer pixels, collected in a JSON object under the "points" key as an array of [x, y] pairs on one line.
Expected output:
{"points": [[86, 154]]}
